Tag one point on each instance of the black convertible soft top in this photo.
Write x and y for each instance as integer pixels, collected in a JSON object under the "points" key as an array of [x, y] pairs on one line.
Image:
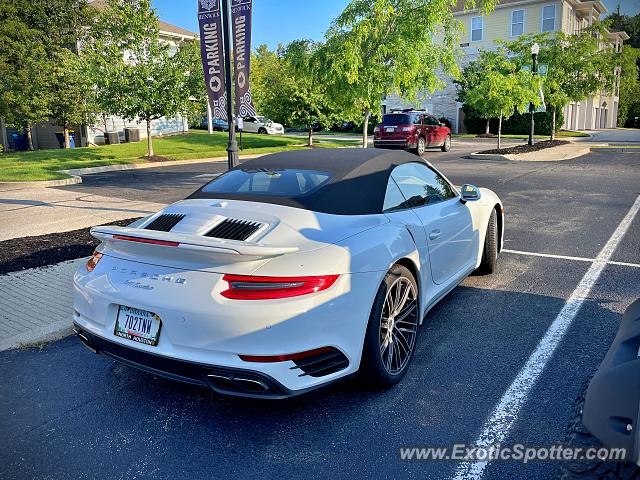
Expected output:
{"points": [[357, 184]]}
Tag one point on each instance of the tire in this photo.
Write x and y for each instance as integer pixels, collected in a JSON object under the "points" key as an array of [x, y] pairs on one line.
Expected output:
{"points": [[262, 131], [422, 146], [387, 352], [578, 436], [490, 252], [446, 146]]}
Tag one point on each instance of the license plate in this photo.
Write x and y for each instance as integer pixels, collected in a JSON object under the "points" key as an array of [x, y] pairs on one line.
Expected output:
{"points": [[390, 130], [138, 325]]}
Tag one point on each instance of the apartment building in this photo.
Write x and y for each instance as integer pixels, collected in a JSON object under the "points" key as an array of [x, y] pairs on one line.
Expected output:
{"points": [[510, 19]]}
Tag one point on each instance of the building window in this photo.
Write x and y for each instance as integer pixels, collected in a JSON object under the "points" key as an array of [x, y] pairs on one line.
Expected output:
{"points": [[476, 28], [517, 23], [549, 18]]}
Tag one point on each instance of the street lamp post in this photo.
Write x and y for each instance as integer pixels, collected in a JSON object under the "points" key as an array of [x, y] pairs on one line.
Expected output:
{"points": [[535, 49], [232, 147]]}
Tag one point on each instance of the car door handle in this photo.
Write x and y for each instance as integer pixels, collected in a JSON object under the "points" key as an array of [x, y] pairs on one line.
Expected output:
{"points": [[435, 235]]}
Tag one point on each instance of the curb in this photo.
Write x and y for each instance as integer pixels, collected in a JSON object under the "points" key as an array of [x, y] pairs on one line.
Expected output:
{"points": [[76, 173], [514, 157], [46, 334], [616, 149], [139, 166], [43, 183], [487, 156]]}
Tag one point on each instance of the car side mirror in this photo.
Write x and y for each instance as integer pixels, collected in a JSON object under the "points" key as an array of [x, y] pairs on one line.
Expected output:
{"points": [[470, 193]]}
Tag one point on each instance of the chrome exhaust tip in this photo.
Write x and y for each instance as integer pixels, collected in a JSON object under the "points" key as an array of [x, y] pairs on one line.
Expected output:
{"points": [[251, 384], [233, 383], [85, 340]]}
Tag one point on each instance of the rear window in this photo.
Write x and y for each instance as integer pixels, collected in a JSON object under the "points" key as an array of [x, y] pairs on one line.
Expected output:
{"points": [[277, 183], [401, 119]]}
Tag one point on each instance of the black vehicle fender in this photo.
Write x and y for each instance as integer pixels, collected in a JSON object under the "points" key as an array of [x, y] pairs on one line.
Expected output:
{"points": [[612, 405]]}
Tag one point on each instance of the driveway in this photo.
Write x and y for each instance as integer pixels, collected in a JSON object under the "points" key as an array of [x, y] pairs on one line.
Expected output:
{"points": [[67, 413], [613, 135]]}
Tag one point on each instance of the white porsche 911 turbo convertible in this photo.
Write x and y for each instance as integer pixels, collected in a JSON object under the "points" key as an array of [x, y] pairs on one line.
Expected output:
{"points": [[288, 272]]}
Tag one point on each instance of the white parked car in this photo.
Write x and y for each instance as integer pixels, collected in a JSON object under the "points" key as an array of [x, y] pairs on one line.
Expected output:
{"points": [[262, 125], [288, 272]]}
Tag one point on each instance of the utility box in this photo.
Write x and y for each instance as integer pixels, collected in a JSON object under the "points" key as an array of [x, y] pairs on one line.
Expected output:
{"points": [[111, 138], [131, 134]]}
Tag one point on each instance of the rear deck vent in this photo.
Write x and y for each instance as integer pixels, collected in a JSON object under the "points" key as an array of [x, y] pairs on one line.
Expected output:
{"points": [[233, 229], [165, 222]]}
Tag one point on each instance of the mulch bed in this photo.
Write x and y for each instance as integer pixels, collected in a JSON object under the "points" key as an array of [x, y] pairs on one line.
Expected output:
{"points": [[156, 158], [527, 148], [30, 252]]}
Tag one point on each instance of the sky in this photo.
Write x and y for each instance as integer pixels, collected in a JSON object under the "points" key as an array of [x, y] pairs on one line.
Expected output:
{"points": [[281, 21]]}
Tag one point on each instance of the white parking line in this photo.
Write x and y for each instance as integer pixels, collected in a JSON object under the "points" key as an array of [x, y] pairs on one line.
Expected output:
{"points": [[498, 425], [565, 257]]}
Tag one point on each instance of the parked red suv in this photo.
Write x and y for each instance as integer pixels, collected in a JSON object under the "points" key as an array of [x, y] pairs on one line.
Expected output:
{"points": [[411, 130]]}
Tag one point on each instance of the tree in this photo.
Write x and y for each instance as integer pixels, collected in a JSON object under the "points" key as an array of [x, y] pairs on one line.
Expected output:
{"points": [[579, 67], [24, 72], [136, 74], [626, 23], [268, 78], [471, 77], [502, 88], [377, 47], [32, 36], [309, 102], [71, 91], [629, 83], [290, 85]]}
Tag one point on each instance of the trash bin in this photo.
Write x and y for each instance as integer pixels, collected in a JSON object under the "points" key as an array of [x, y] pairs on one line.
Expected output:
{"points": [[72, 139], [131, 134], [111, 138], [19, 142]]}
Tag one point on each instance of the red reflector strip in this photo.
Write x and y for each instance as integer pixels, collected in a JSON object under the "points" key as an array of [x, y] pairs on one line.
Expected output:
{"points": [[93, 261], [146, 240], [284, 358], [244, 287]]}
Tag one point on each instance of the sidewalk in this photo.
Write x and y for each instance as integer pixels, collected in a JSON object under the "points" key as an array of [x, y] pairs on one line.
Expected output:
{"points": [[38, 211], [37, 305]]}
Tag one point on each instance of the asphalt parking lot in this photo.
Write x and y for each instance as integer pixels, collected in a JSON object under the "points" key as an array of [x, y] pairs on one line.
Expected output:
{"points": [[71, 414]]}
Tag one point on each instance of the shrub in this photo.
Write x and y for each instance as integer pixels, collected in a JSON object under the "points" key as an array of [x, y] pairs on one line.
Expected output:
{"points": [[518, 124], [446, 121]]}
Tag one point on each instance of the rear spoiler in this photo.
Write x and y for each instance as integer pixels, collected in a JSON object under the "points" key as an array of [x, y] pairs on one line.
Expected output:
{"points": [[188, 243]]}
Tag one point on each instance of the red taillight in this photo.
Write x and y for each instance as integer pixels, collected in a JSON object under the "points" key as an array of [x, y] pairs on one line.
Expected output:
{"points": [[284, 358], [244, 287], [146, 240], [93, 261]]}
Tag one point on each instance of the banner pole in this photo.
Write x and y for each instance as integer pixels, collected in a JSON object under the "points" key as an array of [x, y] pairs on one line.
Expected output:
{"points": [[232, 147]]}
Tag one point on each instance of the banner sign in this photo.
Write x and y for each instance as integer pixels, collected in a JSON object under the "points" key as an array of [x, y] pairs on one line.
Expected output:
{"points": [[211, 50], [241, 21]]}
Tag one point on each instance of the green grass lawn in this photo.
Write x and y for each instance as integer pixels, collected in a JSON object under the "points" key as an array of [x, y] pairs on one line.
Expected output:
{"points": [[46, 164]]}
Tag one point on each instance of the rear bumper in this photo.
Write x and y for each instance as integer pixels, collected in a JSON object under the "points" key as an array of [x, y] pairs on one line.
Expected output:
{"points": [[223, 380], [200, 327], [401, 144], [612, 405]]}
